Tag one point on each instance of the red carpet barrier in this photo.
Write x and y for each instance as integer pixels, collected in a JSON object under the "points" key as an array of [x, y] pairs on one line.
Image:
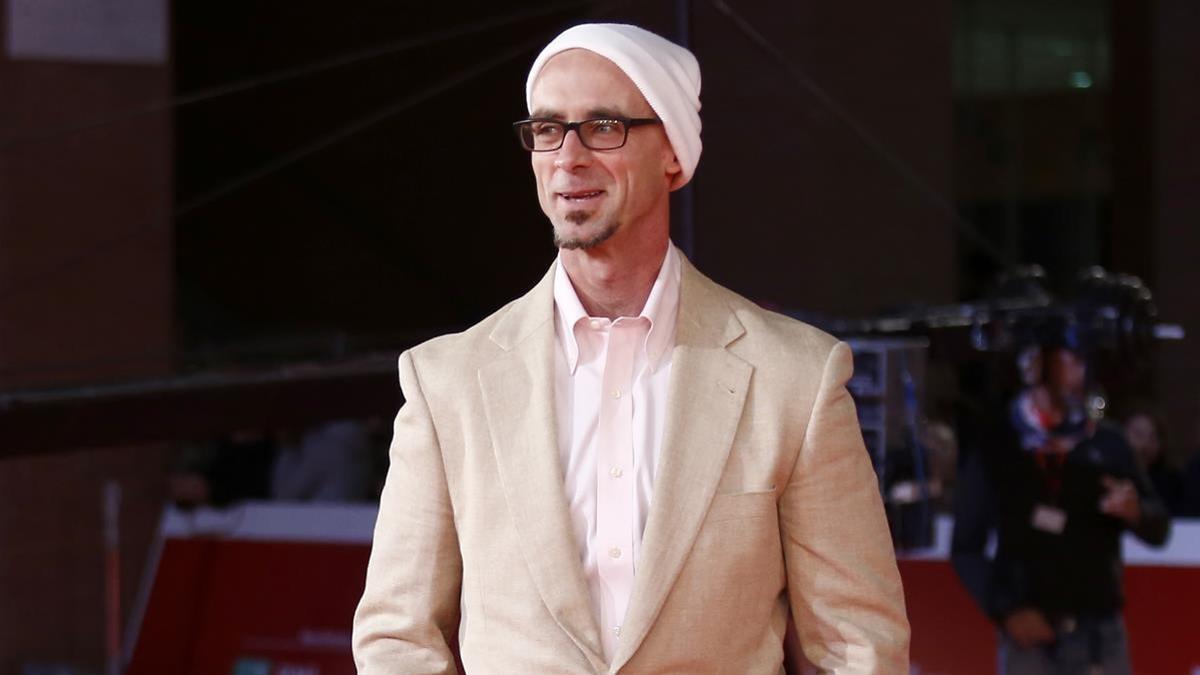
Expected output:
{"points": [[261, 589], [270, 589]]}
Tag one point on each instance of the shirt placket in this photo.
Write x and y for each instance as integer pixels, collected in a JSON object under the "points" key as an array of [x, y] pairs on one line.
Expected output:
{"points": [[615, 498]]}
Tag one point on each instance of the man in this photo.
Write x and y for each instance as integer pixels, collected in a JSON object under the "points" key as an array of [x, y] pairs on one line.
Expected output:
{"points": [[1058, 489], [630, 468]]}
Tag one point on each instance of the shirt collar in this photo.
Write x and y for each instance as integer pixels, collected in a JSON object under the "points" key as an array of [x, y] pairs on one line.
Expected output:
{"points": [[661, 309]]}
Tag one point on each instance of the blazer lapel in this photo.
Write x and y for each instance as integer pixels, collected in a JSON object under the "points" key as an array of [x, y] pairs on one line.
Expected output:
{"points": [[518, 395], [707, 392]]}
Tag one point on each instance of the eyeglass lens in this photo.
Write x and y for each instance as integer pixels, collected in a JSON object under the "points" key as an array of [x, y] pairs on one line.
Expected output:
{"points": [[599, 134]]}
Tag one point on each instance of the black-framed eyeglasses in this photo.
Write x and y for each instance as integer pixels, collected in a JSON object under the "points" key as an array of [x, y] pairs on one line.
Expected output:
{"points": [[600, 133]]}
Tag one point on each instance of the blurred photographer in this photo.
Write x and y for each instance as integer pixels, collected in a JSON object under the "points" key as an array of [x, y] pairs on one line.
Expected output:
{"points": [[1146, 431], [1058, 487]]}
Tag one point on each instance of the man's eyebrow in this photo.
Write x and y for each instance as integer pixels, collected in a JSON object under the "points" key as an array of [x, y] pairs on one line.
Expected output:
{"points": [[606, 112], [593, 113]]}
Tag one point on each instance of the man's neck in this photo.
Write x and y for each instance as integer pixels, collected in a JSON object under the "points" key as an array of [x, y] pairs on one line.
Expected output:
{"points": [[613, 285]]}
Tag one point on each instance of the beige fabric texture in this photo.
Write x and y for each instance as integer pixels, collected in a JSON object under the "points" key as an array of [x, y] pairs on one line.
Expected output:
{"points": [[764, 500]]}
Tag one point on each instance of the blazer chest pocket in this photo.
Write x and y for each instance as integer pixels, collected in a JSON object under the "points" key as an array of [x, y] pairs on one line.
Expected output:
{"points": [[741, 506]]}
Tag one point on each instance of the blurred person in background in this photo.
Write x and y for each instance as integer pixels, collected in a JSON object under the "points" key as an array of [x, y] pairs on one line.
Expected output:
{"points": [[939, 440], [329, 462], [1058, 487], [232, 469], [1146, 431]]}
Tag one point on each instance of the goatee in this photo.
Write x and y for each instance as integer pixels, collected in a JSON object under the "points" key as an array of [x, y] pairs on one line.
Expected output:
{"points": [[578, 243]]}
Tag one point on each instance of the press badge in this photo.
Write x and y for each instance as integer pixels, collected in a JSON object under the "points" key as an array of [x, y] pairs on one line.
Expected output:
{"points": [[1049, 519]]}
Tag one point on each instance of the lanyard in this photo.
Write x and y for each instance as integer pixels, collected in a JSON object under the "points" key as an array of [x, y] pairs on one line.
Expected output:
{"points": [[1051, 463]]}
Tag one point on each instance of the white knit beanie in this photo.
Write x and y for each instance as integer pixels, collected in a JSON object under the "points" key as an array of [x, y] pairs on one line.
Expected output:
{"points": [[667, 75]]}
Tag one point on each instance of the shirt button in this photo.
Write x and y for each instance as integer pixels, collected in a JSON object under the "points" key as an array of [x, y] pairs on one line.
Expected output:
{"points": [[595, 324], [616, 393], [616, 472], [614, 552], [617, 631]]}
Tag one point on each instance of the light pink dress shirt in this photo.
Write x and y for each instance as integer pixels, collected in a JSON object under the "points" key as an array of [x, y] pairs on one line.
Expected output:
{"points": [[611, 382]]}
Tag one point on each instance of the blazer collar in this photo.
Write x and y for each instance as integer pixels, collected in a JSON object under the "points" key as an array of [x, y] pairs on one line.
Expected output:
{"points": [[518, 397]]}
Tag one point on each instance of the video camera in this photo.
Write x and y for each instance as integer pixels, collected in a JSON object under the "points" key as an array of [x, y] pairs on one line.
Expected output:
{"points": [[1107, 316]]}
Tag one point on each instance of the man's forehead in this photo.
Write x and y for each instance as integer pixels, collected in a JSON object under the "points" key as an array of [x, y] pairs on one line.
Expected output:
{"points": [[579, 77]]}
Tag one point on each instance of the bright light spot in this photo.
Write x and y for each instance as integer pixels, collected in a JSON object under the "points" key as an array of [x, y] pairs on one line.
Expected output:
{"points": [[1081, 79]]}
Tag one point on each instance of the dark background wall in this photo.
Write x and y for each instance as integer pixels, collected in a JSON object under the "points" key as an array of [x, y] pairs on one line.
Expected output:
{"points": [[793, 206], [437, 197]]}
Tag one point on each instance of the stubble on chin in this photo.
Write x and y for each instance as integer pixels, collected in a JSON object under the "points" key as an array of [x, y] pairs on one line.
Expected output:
{"points": [[583, 243]]}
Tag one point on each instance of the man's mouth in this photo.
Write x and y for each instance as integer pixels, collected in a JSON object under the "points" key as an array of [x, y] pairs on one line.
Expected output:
{"points": [[580, 195]]}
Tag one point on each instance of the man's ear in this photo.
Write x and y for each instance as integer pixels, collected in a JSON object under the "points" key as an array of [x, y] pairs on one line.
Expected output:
{"points": [[673, 170]]}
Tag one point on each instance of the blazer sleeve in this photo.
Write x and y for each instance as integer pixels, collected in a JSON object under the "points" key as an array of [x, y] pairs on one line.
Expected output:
{"points": [[409, 611], [843, 584]]}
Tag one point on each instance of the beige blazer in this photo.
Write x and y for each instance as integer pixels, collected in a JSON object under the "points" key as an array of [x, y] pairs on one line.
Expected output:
{"points": [[764, 500]]}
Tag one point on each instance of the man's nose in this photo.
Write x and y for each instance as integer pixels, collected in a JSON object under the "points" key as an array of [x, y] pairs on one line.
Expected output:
{"points": [[573, 152]]}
